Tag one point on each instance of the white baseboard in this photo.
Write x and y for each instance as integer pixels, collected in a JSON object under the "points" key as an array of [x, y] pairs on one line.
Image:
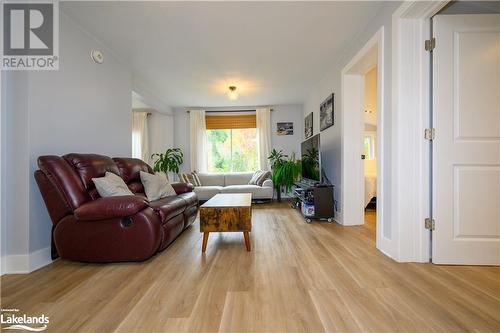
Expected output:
{"points": [[40, 258], [16, 264], [26, 263]]}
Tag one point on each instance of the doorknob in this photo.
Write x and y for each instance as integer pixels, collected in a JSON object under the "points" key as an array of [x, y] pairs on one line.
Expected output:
{"points": [[363, 157]]}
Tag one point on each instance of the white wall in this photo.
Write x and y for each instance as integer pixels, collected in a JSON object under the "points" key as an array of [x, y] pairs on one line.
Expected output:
{"points": [[280, 113], [331, 137], [82, 107]]}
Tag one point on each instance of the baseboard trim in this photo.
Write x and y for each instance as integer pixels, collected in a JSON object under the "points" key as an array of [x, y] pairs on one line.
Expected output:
{"points": [[26, 263], [16, 264], [40, 258]]}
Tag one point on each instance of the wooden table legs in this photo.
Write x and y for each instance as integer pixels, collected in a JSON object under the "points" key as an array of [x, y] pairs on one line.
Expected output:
{"points": [[205, 241], [246, 235], [247, 240]]}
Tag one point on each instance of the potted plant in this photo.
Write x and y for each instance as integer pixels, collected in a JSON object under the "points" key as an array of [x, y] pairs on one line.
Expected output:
{"points": [[285, 171], [170, 161]]}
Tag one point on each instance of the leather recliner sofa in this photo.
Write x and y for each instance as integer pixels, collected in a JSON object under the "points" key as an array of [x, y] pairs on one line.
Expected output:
{"points": [[89, 228]]}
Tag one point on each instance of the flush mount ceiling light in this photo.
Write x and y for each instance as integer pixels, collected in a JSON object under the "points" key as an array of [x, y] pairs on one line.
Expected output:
{"points": [[232, 93], [97, 56]]}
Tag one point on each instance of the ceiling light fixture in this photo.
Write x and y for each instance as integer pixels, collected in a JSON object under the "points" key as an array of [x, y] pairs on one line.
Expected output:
{"points": [[232, 93]]}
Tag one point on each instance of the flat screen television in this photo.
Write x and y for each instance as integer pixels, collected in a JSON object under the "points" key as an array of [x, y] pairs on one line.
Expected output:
{"points": [[311, 159]]}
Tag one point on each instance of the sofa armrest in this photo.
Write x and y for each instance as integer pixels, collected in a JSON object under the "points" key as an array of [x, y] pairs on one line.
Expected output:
{"points": [[110, 207], [182, 187], [268, 183]]}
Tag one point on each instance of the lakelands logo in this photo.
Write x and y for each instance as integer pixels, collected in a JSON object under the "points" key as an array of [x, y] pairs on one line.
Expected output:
{"points": [[30, 35], [11, 319]]}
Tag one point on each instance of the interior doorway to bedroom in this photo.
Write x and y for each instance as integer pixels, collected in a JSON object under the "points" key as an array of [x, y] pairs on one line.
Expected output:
{"points": [[368, 61], [369, 139]]}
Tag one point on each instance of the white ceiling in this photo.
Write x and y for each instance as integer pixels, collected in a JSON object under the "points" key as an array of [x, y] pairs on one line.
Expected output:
{"points": [[189, 53]]}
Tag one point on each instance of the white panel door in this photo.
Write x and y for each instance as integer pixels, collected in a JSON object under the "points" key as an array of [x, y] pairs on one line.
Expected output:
{"points": [[466, 166]]}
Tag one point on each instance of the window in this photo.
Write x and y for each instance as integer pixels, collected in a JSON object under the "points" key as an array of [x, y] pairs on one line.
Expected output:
{"points": [[369, 146], [232, 143]]}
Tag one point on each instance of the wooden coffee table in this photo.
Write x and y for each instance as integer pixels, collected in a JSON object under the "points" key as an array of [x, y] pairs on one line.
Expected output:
{"points": [[227, 213]]}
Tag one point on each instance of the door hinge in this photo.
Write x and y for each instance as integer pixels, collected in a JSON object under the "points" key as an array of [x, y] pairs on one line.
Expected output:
{"points": [[430, 134], [430, 44], [429, 223]]}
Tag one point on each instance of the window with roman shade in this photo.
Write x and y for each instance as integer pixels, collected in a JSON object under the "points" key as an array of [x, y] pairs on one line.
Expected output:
{"points": [[232, 143], [231, 122]]}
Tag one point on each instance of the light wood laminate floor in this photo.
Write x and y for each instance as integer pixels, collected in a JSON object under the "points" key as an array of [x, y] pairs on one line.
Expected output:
{"points": [[299, 277]]}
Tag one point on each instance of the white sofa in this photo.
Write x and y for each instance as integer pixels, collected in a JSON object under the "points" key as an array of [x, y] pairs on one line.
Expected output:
{"points": [[234, 182]]}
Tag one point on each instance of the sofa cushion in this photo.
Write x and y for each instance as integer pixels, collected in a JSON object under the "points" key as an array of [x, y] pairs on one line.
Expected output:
{"points": [[168, 207], [190, 178], [190, 198], [130, 169], [255, 177], [111, 185], [212, 179], [257, 191], [111, 207], [65, 180], [206, 192], [182, 187], [265, 175], [237, 178], [241, 189], [89, 166], [156, 186]]}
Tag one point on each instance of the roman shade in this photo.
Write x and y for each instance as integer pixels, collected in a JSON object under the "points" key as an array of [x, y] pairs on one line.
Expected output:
{"points": [[231, 122]]}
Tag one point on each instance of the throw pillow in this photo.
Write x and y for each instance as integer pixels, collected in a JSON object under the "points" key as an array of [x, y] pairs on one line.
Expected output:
{"points": [[156, 186], [255, 178], [188, 178], [196, 178], [263, 177], [111, 185]]}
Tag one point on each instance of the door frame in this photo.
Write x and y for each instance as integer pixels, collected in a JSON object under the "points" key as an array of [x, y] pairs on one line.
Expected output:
{"points": [[352, 128], [409, 119]]}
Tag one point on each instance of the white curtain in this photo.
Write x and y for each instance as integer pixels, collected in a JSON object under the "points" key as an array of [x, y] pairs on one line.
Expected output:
{"points": [[198, 140], [140, 142], [263, 137]]}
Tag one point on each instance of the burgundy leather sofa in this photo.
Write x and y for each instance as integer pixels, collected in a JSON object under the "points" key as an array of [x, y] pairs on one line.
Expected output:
{"points": [[89, 228]]}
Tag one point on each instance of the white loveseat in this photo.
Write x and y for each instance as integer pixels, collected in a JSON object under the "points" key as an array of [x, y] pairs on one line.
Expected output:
{"points": [[234, 182]]}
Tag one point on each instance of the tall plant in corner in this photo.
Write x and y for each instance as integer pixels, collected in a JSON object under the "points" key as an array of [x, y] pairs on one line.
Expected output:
{"points": [[285, 171], [170, 161]]}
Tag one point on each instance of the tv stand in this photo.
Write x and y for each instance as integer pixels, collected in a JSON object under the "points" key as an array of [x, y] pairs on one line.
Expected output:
{"points": [[315, 201]]}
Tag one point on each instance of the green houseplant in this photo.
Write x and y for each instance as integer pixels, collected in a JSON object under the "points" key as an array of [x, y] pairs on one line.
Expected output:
{"points": [[170, 161], [285, 171]]}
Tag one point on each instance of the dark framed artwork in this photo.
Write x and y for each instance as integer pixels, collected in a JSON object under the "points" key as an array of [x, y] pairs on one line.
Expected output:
{"points": [[308, 125], [284, 128], [326, 113]]}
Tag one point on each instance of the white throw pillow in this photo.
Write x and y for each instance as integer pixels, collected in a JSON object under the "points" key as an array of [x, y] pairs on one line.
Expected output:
{"points": [[111, 185], [156, 186], [255, 177]]}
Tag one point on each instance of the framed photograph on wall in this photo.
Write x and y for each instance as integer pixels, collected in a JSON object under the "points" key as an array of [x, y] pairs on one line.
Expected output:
{"points": [[326, 113], [284, 128], [308, 125]]}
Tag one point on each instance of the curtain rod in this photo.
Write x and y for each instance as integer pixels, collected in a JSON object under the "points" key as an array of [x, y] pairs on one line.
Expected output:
{"points": [[222, 111]]}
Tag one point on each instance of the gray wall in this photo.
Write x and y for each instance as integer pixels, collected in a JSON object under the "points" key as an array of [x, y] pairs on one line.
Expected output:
{"points": [[82, 107], [331, 137], [281, 113]]}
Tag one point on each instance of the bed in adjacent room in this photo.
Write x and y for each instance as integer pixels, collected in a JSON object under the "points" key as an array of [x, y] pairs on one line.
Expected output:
{"points": [[370, 187]]}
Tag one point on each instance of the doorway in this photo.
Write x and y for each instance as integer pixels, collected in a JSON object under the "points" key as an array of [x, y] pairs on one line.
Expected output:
{"points": [[369, 139], [366, 66]]}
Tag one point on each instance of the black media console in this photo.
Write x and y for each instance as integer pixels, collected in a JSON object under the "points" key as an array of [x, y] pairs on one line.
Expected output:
{"points": [[315, 201]]}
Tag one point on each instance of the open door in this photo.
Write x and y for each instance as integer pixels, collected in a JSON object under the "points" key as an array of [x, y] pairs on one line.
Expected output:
{"points": [[466, 148]]}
